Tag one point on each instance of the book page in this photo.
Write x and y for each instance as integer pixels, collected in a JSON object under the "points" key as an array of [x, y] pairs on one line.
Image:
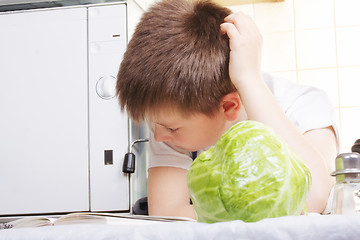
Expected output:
{"points": [[30, 222], [114, 219], [90, 217]]}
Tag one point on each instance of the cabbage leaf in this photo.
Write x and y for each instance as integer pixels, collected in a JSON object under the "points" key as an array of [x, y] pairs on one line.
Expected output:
{"points": [[249, 174]]}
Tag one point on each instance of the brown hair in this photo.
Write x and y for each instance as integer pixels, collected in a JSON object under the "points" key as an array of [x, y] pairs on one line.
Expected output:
{"points": [[176, 57]]}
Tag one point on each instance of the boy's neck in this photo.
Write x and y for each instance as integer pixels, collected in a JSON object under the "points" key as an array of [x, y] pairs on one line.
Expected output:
{"points": [[242, 116]]}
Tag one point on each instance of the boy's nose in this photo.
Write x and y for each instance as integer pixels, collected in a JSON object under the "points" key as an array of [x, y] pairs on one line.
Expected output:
{"points": [[161, 135]]}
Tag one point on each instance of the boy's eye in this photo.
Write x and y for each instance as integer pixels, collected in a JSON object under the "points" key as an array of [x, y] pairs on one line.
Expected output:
{"points": [[172, 129]]}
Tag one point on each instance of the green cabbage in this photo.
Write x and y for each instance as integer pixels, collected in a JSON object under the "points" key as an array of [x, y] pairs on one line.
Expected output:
{"points": [[249, 174]]}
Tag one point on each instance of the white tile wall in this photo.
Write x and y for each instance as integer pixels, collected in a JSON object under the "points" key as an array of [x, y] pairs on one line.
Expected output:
{"points": [[280, 44], [316, 48], [349, 126], [311, 14], [316, 42], [349, 87], [347, 12], [274, 16], [348, 45]]}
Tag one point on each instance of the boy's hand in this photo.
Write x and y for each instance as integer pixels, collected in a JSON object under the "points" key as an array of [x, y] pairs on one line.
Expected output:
{"points": [[245, 47]]}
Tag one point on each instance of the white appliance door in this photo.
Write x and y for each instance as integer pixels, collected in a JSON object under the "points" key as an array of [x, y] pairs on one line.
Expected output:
{"points": [[44, 112], [109, 186]]}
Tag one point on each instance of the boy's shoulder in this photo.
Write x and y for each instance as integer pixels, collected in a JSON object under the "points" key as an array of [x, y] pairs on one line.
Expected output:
{"points": [[301, 101], [288, 93]]}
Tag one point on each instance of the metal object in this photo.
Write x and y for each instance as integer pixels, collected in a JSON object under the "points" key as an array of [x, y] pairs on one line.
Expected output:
{"points": [[347, 188], [129, 159], [14, 5], [347, 166]]}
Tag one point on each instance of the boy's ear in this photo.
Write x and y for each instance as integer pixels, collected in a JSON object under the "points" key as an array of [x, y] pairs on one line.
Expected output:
{"points": [[231, 104]]}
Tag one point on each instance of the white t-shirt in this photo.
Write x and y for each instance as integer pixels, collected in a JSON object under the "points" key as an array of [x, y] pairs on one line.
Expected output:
{"points": [[307, 107]]}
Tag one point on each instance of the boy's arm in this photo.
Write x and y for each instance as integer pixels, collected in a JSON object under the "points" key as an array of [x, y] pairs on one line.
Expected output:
{"points": [[168, 194], [317, 147]]}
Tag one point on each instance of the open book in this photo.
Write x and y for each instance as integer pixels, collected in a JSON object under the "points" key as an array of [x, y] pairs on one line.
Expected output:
{"points": [[89, 217]]}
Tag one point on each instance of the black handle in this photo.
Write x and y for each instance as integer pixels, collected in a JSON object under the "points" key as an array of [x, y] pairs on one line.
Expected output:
{"points": [[129, 163]]}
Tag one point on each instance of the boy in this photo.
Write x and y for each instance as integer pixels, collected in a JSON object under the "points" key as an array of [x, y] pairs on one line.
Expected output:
{"points": [[192, 70]]}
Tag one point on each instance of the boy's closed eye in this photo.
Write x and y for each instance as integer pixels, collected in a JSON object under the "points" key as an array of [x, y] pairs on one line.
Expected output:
{"points": [[172, 129]]}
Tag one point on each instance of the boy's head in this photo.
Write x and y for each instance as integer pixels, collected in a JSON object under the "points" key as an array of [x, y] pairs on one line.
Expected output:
{"points": [[177, 58]]}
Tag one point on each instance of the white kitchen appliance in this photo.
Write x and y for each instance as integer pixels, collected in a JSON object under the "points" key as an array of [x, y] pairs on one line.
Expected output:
{"points": [[62, 134]]}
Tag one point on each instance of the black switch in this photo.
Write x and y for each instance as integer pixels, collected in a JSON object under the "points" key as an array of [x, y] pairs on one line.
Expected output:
{"points": [[108, 157]]}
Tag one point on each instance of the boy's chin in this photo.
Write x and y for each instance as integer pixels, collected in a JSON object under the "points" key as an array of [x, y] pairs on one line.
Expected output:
{"points": [[194, 149], [187, 149]]}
